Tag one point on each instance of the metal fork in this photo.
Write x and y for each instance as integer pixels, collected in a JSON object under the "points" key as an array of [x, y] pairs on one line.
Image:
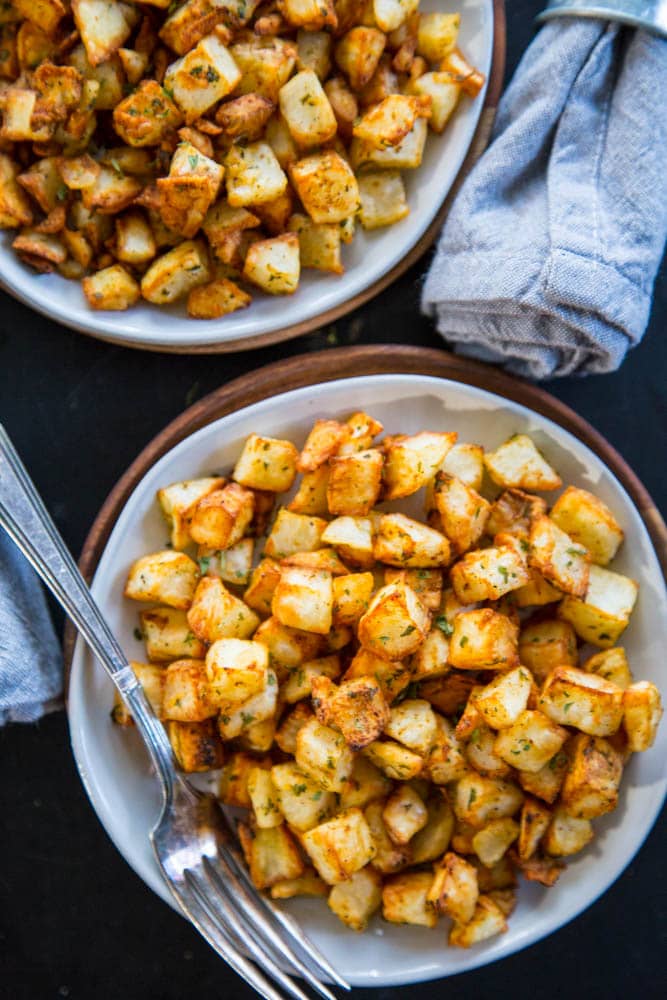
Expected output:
{"points": [[192, 840]]}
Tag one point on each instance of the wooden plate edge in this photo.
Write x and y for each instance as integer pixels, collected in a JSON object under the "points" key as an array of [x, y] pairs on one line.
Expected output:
{"points": [[348, 362]]}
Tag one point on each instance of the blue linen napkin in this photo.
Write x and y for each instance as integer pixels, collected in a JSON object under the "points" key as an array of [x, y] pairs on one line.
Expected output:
{"points": [[31, 675], [547, 259]]}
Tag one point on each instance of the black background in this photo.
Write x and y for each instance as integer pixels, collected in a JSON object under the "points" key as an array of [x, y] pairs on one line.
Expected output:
{"points": [[75, 921]]}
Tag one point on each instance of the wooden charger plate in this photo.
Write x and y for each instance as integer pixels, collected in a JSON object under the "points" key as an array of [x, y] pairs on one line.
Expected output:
{"points": [[349, 362]]}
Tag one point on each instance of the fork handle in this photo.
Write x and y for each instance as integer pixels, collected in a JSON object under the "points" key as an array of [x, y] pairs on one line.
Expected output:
{"points": [[27, 522]]}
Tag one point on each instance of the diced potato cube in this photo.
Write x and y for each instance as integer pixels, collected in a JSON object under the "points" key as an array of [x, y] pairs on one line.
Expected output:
{"points": [[326, 186], [426, 583], [112, 288], [263, 583], [391, 14], [14, 205], [612, 664], [271, 855], [588, 521], [591, 784], [535, 819], [454, 889], [392, 675], [488, 574], [483, 640], [463, 512], [491, 842], [480, 751], [292, 533], [236, 670], [567, 834], [518, 463], [503, 700], [239, 718], [602, 615], [402, 541], [437, 35], [266, 464], [404, 900], [253, 175], [388, 857], [558, 558], [404, 814], [356, 900], [288, 647], [321, 560], [186, 692], [536, 592], [357, 708], [216, 613], [444, 90], [323, 754], [196, 745], [221, 517], [544, 645], [168, 577], [202, 77], [354, 482], [479, 800], [414, 724], [365, 784], [314, 52], [530, 743], [319, 246], [135, 243], [411, 461], [358, 54], [299, 683], [466, 463], [168, 635], [103, 27], [308, 884], [642, 711], [311, 496], [146, 116], [395, 624], [487, 921], [322, 443], [545, 783], [152, 679], [389, 121], [175, 273], [351, 597], [306, 109], [445, 761], [262, 794], [394, 760], [340, 847], [233, 565], [233, 782], [383, 199], [265, 63], [301, 800], [274, 265], [407, 155], [433, 839], [352, 537], [304, 599], [573, 697], [513, 513]]}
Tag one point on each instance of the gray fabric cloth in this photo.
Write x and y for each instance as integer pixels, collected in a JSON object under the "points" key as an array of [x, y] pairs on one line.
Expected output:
{"points": [[31, 673], [547, 260]]}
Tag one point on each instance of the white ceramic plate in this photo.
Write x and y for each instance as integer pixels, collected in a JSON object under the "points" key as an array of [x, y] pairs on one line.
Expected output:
{"points": [[114, 766], [366, 259]]}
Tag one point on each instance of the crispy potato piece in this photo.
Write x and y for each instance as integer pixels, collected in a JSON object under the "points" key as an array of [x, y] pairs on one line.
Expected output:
{"points": [[426, 583], [321, 559], [514, 511], [410, 462], [437, 35], [487, 921], [233, 781], [299, 683], [175, 273], [303, 599], [196, 745], [483, 640], [178, 501], [216, 299], [340, 847], [586, 701], [463, 512], [274, 264], [354, 482], [202, 77], [319, 243], [479, 800], [388, 857], [492, 841], [394, 760], [310, 14], [480, 752], [236, 669], [322, 443], [389, 121], [147, 116], [518, 464], [591, 784], [112, 288], [454, 889], [326, 186], [186, 692], [602, 614], [535, 819], [365, 784], [471, 79], [301, 800], [241, 719], [383, 199], [547, 781], [14, 205], [292, 533], [642, 711], [589, 522], [221, 517], [566, 834], [311, 496], [414, 724], [357, 708], [357, 899], [531, 742], [266, 464], [168, 577], [215, 613], [306, 110], [558, 558], [271, 855], [352, 537], [612, 665], [393, 676], [404, 900], [505, 698], [152, 679], [323, 754], [402, 541], [358, 54], [434, 838], [395, 624], [288, 647], [262, 795], [245, 116], [168, 636], [444, 91], [404, 814], [407, 155], [445, 761], [544, 645], [103, 27], [308, 884], [265, 64], [488, 574], [262, 585]]}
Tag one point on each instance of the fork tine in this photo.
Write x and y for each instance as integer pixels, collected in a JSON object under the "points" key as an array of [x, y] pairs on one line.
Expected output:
{"points": [[290, 926], [222, 912], [222, 943], [225, 880]]}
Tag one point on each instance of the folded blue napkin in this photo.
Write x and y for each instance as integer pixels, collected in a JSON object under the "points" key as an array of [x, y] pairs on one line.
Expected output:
{"points": [[31, 670], [547, 260]]}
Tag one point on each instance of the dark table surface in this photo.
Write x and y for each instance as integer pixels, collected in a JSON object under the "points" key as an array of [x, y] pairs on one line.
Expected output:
{"points": [[75, 921]]}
